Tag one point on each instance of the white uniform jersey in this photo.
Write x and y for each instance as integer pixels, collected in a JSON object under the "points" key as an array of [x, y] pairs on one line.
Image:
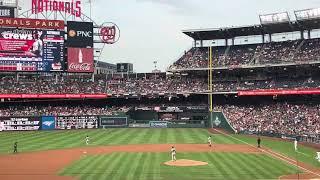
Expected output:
{"points": [[173, 151], [318, 156], [209, 139], [295, 145]]}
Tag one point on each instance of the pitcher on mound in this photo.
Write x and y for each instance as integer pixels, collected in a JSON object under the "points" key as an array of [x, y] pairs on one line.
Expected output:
{"points": [[173, 153]]}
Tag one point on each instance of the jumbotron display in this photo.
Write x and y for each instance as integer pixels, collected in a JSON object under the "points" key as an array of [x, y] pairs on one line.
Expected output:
{"points": [[31, 50]]}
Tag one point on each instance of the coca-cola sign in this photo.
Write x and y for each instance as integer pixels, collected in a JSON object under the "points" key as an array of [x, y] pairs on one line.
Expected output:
{"points": [[80, 67], [80, 60]]}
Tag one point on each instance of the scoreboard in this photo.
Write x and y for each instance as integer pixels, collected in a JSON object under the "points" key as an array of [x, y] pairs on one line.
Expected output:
{"points": [[19, 123], [31, 50], [77, 122]]}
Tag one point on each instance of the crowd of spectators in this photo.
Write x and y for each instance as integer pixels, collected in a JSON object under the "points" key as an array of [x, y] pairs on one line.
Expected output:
{"points": [[281, 118], [50, 85], [22, 111], [298, 51], [178, 85]]}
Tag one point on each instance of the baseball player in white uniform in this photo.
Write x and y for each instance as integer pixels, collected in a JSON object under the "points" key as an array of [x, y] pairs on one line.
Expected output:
{"points": [[295, 145], [173, 153], [318, 156], [209, 141], [87, 140]]}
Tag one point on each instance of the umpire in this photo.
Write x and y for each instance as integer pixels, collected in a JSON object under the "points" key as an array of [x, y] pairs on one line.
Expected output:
{"points": [[15, 147]]}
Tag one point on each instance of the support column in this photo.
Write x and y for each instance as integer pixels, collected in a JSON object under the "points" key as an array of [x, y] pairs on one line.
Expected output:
{"points": [[263, 39], [270, 37], [302, 34], [309, 34]]}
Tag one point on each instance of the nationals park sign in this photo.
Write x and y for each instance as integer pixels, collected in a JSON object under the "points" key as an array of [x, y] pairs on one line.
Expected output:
{"points": [[72, 7]]}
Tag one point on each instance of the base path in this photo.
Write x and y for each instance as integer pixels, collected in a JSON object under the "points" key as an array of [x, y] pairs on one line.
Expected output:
{"points": [[46, 164]]}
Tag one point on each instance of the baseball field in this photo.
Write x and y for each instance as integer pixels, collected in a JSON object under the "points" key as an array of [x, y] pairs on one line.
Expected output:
{"points": [[141, 154]]}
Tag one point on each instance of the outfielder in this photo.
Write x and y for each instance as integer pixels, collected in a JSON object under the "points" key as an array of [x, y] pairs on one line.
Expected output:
{"points": [[173, 153], [318, 156], [87, 140], [295, 144], [209, 141]]}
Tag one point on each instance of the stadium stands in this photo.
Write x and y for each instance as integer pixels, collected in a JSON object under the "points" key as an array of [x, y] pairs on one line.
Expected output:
{"points": [[299, 51], [281, 118], [67, 110]]}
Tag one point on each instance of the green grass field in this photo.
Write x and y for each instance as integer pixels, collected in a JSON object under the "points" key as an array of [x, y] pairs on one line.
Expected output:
{"points": [[148, 165]]}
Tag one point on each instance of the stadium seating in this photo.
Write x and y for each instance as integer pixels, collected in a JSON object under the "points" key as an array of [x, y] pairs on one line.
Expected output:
{"points": [[280, 118], [299, 51]]}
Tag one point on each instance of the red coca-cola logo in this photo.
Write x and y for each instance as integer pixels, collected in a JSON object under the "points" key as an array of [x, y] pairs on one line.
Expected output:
{"points": [[80, 67]]}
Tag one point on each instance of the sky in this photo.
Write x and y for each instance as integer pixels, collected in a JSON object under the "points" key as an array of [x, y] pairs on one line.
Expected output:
{"points": [[151, 30]]}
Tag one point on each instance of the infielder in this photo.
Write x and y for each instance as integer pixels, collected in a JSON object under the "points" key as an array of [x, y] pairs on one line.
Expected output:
{"points": [[87, 140], [173, 153], [209, 141], [295, 144], [318, 156]]}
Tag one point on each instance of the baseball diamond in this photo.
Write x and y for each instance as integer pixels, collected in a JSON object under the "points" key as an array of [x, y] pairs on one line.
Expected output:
{"points": [[141, 154], [85, 98]]}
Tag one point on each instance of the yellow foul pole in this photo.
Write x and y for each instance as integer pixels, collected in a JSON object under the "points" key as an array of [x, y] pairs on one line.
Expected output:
{"points": [[210, 79]]}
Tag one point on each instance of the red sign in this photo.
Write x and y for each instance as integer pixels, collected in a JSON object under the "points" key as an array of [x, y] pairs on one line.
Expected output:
{"points": [[53, 96], [109, 33], [272, 92], [31, 23], [80, 60], [70, 7]]}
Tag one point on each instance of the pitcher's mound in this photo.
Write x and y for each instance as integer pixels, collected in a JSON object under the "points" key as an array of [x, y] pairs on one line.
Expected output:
{"points": [[185, 162]]}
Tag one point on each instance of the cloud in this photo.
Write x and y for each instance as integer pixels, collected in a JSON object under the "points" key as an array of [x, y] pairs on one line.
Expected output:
{"points": [[175, 6]]}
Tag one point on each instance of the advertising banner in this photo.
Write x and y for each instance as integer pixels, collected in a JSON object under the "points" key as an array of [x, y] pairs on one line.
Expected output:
{"points": [[6, 11], [31, 50], [110, 121], [48, 122], [77, 122], [158, 124], [80, 34], [31, 23], [272, 92], [53, 96], [20, 123], [80, 60]]}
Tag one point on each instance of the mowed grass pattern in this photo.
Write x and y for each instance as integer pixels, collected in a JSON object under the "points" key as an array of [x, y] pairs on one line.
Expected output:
{"points": [[149, 166], [46, 140]]}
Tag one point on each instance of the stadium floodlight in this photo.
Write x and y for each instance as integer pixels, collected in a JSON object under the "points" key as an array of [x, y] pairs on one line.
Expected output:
{"points": [[274, 18], [307, 14]]}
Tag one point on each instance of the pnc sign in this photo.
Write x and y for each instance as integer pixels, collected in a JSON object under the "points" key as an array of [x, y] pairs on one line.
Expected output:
{"points": [[72, 7]]}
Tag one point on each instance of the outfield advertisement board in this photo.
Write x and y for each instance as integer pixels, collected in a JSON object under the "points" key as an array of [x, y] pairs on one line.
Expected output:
{"points": [[77, 122], [48, 122], [113, 121], [20, 123], [31, 50], [158, 124]]}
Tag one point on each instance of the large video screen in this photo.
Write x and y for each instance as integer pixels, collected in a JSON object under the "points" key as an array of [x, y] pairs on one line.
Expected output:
{"points": [[31, 50]]}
